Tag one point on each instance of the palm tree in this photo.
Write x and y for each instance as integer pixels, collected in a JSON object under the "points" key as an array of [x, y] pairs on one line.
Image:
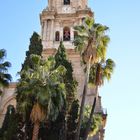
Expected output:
{"points": [[5, 78], [91, 42], [42, 90], [96, 122], [98, 73]]}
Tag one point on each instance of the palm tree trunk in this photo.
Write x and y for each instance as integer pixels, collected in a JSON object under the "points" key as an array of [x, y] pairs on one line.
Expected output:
{"points": [[35, 130], [83, 100], [91, 115]]}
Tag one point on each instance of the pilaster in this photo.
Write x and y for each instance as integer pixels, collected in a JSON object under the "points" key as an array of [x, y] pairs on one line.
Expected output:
{"points": [[61, 31], [52, 30], [45, 30], [72, 33]]}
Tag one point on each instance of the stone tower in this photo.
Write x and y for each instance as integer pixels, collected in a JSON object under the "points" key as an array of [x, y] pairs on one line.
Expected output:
{"points": [[57, 22]]}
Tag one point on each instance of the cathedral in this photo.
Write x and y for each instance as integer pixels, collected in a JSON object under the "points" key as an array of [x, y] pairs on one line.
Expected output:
{"points": [[57, 21]]}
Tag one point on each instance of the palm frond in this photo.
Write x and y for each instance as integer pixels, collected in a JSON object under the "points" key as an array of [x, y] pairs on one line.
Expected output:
{"points": [[5, 78], [6, 64], [80, 29], [89, 22], [43, 85], [2, 54], [101, 71], [108, 68]]}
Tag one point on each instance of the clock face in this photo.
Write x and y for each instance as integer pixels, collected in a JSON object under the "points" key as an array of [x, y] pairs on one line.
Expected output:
{"points": [[66, 9]]}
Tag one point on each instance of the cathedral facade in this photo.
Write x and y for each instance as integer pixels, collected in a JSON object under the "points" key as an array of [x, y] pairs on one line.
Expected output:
{"points": [[57, 21]]}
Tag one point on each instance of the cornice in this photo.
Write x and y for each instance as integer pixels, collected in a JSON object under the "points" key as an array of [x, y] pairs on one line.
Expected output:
{"points": [[52, 51], [12, 85], [46, 14]]}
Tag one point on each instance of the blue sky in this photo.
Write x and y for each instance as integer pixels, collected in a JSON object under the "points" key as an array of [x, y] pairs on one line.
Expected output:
{"points": [[121, 96]]}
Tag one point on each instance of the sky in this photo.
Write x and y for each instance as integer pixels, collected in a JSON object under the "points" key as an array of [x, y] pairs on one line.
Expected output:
{"points": [[121, 96]]}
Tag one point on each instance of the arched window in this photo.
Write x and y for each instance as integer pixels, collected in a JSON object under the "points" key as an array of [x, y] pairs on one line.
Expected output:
{"points": [[83, 19], [75, 34], [66, 2], [57, 36], [66, 34]]}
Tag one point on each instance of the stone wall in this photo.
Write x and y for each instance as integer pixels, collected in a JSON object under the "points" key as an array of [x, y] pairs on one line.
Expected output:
{"points": [[7, 98]]}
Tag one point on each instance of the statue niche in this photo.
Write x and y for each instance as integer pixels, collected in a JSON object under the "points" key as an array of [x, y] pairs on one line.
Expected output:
{"points": [[66, 2]]}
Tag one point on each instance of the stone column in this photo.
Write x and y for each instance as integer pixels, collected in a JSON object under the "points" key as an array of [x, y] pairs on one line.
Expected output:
{"points": [[50, 4], [61, 31], [72, 34], [44, 30], [52, 30], [85, 3]]}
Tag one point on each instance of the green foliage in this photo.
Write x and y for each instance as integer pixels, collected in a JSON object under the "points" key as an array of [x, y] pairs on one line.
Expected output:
{"points": [[70, 82], [96, 122], [61, 54], [9, 127], [43, 85], [35, 47], [91, 40], [72, 120], [101, 71], [92, 43], [5, 77], [41, 93]]}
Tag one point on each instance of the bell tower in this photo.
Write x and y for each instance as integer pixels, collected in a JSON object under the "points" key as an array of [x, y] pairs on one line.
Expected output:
{"points": [[58, 4], [58, 20]]}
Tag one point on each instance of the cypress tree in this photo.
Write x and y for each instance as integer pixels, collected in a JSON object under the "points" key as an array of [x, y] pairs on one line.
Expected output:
{"points": [[70, 82], [9, 124], [71, 85], [35, 47], [72, 120]]}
